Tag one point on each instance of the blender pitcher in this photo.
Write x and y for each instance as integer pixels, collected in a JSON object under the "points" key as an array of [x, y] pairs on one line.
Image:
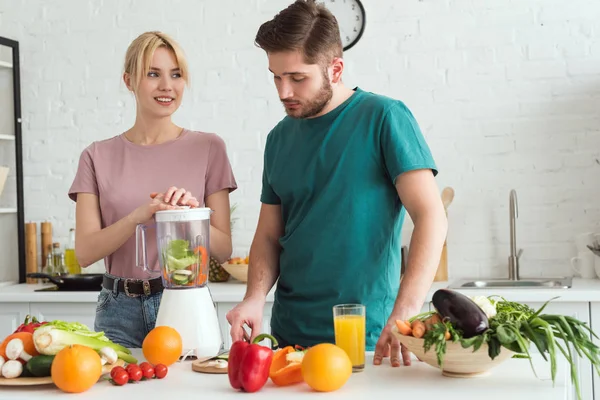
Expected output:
{"points": [[182, 241]]}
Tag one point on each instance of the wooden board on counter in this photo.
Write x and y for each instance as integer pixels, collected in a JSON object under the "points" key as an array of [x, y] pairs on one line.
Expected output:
{"points": [[208, 367]]}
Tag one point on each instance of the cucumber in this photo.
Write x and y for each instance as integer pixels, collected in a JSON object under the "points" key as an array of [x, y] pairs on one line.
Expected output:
{"points": [[26, 373], [180, 279], [40, 365]]}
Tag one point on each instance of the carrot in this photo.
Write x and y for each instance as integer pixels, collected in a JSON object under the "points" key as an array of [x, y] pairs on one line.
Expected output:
{"points": [[431, 321], [418, 328], [203, 254], [202, 279], [404, 327]]}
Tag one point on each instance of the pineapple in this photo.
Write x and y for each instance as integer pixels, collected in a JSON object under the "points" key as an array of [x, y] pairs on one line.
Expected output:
{"points": [[216, 273]]}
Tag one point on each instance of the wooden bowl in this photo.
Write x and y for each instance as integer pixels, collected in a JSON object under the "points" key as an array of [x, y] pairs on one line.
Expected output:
{"points": [[238, 271], [458, 362]]}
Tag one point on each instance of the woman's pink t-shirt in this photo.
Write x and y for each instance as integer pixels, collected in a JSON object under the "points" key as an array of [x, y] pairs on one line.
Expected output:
{"points": [[123, 174]]}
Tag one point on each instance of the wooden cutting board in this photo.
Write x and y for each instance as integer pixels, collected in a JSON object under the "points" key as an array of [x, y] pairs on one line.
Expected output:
{"points": [[441, 274], [207, 367], [47, 380]]}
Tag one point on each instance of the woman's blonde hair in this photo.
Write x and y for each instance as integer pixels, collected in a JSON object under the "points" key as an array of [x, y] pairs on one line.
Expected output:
{"points": [[140, 51]]}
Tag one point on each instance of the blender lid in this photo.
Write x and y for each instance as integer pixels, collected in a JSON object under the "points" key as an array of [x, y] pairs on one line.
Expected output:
{"points": [[183, 214]]}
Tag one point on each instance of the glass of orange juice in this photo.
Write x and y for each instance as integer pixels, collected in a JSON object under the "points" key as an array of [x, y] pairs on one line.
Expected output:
{"points": [[349, 325]]}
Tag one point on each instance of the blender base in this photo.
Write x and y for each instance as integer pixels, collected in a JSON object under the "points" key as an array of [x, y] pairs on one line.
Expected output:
{"points": [[192, 313]]}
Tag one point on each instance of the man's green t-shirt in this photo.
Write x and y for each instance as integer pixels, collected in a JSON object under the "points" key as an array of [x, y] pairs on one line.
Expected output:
{"points": [[334, 177]]}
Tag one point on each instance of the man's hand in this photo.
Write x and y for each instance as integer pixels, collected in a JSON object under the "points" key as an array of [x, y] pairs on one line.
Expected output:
{"points": [[247, 313], [389, 346]]}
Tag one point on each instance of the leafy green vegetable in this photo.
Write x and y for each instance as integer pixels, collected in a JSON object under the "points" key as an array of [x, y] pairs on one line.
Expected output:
{"points": [[436, 336], [54, 336], [178, 248], [178, 255]]}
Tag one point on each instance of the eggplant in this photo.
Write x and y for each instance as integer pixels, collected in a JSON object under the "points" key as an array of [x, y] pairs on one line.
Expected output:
{"points": [[462, 312]]}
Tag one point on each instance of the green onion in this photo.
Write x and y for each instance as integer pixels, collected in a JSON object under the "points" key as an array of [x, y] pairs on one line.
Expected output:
{"points": [[54, 336]]}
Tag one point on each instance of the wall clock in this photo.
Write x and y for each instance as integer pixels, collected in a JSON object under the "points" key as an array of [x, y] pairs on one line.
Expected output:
{"points": [[351, 18]]}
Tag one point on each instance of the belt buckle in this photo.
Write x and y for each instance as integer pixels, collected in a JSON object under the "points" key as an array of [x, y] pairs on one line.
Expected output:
{"points": [[146, 286], [126, 288]]}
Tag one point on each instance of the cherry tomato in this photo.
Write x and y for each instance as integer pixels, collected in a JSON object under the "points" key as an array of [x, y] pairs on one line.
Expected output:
{"points": [[120, 377], [145, 364], [129, 366], [116, 370], [160, 370], [135, 373], [147, 370]]}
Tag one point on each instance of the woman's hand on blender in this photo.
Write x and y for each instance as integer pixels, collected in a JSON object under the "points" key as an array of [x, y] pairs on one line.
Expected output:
{"points": [[178, 197], [145, 212]]}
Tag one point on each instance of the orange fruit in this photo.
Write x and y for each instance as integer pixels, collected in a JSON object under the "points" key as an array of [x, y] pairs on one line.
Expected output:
{"points": [[326, 367], [76, 368], [162, 345]]}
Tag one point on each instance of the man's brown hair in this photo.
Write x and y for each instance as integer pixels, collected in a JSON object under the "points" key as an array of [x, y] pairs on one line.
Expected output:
{"points": [[306, 26]]}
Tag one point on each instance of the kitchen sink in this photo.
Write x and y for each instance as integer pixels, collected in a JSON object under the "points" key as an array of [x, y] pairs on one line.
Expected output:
{"points": [[523, 283]]}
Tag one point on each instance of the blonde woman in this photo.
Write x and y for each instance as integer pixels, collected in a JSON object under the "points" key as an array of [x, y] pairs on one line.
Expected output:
{"points": [[155, 165]]}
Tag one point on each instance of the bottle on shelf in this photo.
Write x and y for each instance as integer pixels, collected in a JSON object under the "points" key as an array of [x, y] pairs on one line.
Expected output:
{"points": [[48, 269], [71, 262], [58, 260]]}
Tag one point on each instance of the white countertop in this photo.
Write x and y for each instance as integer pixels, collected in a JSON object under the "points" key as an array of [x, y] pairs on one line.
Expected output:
{"points": [[512, 379], [586, 290]]}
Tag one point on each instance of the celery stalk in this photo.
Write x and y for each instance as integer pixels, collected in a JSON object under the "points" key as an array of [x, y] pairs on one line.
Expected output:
{"points": [[54, 336]]}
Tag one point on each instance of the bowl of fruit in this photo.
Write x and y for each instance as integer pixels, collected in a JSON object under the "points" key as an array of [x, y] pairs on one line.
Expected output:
{"points": [[468, 336], [237, 267]]}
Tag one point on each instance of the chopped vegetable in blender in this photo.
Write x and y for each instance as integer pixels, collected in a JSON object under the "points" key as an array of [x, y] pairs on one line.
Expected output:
{"points": [[181, 262]]}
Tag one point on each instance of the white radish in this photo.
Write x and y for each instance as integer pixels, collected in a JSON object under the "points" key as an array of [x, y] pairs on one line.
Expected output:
{"points": [[1, 364], [12, 369]]}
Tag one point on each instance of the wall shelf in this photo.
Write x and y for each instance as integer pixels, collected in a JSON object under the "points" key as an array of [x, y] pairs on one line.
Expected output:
{"points": [[12, 227]]}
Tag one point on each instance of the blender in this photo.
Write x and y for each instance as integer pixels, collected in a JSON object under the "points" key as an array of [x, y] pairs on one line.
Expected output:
{"points": [[182, 241]]}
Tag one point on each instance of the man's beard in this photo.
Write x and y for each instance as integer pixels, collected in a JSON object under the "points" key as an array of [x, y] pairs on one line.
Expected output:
{"points": [[316, 105]]}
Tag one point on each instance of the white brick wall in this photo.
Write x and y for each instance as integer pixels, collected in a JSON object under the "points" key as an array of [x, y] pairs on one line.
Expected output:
{"points": [[507, 93]]}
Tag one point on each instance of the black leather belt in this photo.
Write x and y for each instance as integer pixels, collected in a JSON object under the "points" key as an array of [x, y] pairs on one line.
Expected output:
{"points": [[133, 287]]}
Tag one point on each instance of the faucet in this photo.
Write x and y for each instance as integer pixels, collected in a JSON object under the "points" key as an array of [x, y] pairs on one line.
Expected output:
{"points": [[513, 258]]}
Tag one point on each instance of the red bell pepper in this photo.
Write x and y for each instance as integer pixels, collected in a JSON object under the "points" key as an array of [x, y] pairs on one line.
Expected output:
{"points": [[29, 324], [249, 363]]}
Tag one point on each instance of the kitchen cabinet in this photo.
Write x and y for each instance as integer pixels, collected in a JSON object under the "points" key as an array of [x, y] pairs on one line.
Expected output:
{"points": [[12, 247], [84, 313], [595, 323], [11, 316]]}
